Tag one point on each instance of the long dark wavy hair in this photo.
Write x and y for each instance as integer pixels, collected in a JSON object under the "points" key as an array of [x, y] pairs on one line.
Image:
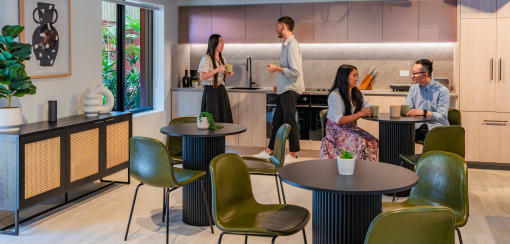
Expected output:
{"points": [[340, 83], [214, 40]]}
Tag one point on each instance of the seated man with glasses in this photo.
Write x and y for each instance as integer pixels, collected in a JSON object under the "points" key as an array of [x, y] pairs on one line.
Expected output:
{"points": [[427, 97]]}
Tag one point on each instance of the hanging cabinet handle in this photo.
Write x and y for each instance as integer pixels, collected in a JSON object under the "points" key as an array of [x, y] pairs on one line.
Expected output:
{"points": [[499, 70], [495, 122], [492, 69]]}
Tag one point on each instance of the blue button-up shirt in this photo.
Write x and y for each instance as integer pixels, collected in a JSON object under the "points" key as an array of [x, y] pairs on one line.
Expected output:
{"points": [[292, 63], [434, 98]]}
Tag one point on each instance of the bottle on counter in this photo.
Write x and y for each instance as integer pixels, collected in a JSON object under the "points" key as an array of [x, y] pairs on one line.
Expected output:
{"points": [[186, 81]]}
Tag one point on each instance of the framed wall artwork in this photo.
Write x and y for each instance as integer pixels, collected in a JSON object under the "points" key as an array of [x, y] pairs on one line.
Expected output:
{"points": [[48, 29]]}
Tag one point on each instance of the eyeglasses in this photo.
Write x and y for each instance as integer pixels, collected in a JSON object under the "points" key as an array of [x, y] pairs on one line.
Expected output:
{"points": [[412, 73]]}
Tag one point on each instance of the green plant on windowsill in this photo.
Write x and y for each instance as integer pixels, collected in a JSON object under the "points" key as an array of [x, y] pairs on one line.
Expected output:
{"points": [[344, 154], [13, 76], [210, 119]]}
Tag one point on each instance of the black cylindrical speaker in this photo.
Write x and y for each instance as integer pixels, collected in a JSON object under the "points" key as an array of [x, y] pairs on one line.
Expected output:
{"points": [[52, 111]]}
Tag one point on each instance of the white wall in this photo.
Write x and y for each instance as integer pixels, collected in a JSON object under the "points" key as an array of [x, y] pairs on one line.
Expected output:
{"points": [[86, 67]]}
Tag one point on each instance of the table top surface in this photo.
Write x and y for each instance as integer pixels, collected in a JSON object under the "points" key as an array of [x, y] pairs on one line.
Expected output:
{"points": [[191, 130], [385, 117], [368, 177]]}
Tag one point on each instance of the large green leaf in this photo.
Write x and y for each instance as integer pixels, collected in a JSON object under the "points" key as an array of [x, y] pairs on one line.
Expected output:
{"points": [[12, 30], [2, 40], [21, 85], [7, 55]]}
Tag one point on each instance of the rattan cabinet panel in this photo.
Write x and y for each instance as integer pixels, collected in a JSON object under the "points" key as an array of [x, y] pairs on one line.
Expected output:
{"points": [[117, 143], [42, 166], [84, 154]]}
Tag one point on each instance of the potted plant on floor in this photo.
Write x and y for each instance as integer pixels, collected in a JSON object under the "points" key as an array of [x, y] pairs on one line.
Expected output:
{"points": [[346, 162], [14, 81]]}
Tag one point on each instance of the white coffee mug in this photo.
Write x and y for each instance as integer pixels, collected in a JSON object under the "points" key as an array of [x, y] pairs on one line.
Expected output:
{"points": [[395, 111]]}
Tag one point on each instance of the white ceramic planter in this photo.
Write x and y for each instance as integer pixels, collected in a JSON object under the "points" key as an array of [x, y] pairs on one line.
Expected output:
{"points": [[202, 123], [346, 166], [10, 119]]}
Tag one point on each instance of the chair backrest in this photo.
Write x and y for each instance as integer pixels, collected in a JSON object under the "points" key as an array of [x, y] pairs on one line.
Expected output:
{"points": [[278, 157], [454, 117], [450, 138], [149, 162], [323, 114], [417, 225], [443, 182], [231, 187], [174, 143]]}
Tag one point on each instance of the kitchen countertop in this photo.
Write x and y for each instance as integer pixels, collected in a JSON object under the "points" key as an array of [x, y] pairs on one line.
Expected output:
{"points": [[375, 92]]}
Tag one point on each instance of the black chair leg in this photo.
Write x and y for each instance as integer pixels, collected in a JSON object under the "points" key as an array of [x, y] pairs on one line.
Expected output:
{"points": [[304, 236], [131, 214], [283, 193], [245, 239], [272, 240], [277, 188], [206, 205], [164, 208], [460, 236], [221, 236], [394, 195], [167, 214]]}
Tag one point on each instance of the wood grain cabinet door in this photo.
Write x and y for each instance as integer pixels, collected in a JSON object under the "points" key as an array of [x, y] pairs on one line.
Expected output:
{"points": [[438, 20], [481, 136], [503, 66], [503, 9], [478, 8], [42, 166]]}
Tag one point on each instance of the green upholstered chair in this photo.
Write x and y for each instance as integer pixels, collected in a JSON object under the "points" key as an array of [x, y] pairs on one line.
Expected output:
{"points": [[454, 117], [443, 182], [174, 143], [270, 167], [236, 211], [150, 164], [417, 225], [450, 138], [323, 114]]}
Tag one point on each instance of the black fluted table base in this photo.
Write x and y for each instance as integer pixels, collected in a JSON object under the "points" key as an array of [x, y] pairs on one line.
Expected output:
{"points": [[395, 139], [341, 218], [197, 154]]}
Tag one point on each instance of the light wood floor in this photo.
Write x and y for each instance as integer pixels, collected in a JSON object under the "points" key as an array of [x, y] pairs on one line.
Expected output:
{"points": [[102, 217]]}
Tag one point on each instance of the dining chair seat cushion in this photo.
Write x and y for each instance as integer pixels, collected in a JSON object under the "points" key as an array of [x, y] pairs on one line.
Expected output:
{"points": [[410, 158], [186, 176], [258, 165], [270, 219]]}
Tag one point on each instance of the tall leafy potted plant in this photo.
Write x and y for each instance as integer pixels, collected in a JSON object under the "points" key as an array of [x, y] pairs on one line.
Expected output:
{"points": [[13, 76]]}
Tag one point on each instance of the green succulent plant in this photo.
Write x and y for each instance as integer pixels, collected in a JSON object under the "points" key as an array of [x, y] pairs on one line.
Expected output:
{"points": [[344, 154], [210, 119], [14, 80]]}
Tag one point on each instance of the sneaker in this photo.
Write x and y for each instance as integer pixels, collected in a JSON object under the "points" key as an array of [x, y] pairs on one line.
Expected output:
{"points": [[262, 155], [289, 159]]}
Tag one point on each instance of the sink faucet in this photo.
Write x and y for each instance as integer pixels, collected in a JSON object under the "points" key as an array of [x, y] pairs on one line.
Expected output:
{"points": [[248, 72]]}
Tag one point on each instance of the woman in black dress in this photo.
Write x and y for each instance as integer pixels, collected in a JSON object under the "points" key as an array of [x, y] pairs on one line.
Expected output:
{"points": [[212, 76]]}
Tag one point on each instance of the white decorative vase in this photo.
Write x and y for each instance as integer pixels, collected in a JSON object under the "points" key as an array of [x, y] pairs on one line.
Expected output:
{"points": [[93, 101], [10, 119], [202, 123], [346, 166], [92, 104]]}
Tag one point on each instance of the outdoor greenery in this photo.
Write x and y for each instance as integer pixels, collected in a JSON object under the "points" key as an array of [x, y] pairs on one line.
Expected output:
{"points": [[344, 154], [132, 82], [13, 76]]}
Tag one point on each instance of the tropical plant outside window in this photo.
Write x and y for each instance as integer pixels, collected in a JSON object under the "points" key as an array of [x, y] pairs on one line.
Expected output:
{"points": [[126, 61]]}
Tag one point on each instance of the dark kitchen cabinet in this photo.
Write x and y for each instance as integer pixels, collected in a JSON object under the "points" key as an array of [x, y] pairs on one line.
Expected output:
{"points": [[230, 23], [261, 23], [195, 24]]}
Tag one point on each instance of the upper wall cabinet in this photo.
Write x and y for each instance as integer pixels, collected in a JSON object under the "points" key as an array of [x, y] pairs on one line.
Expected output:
{"points": [[400, 20], [303, 20], [330, 22], [438, 20], [365, 21], [194, 24], [478, 8], [230, 23], [261, 23]]}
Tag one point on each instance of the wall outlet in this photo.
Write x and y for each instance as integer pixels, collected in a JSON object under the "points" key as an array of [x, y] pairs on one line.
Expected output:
{"points": [[404, 73]]}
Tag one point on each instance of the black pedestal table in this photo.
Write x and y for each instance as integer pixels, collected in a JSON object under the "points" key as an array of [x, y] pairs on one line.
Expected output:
{"points": [[344, 206], [199, 148]]}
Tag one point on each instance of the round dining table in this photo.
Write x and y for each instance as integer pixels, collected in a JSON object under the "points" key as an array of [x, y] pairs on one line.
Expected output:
{"points": [[199, 147], [345, 205]]}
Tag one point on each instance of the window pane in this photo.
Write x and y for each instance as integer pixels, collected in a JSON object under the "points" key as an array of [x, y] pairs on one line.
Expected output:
{"points": [[109, 57], [138, 43]]}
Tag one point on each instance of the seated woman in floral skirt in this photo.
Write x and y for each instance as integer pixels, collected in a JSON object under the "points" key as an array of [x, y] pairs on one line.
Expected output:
{"points": [[346, 105]]}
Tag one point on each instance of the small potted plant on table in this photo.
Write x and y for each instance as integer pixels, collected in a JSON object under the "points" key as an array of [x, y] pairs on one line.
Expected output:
{"points": [[346, 162]]}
